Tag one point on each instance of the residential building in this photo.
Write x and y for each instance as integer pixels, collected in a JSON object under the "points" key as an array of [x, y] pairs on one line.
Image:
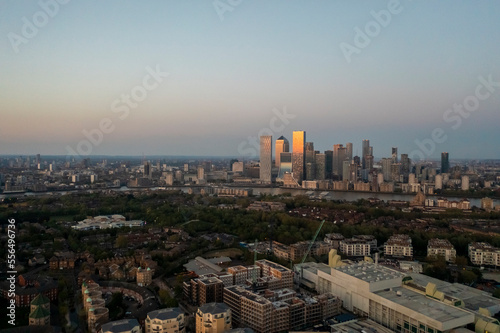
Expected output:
{"points": [[398, 246], [169, 320], [213, 318], [442, 248], [484, 254], [122, 326]]}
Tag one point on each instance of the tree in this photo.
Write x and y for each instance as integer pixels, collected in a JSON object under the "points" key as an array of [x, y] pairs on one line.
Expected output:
{"points": [[461, 261], [467, 277], [121, 241]]}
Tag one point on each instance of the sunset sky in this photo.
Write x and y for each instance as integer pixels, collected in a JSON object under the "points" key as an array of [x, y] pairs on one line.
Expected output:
{"points": [[228, 71]]}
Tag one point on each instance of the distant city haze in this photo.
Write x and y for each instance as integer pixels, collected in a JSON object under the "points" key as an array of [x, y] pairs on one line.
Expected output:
{"points": [[228, 72]]}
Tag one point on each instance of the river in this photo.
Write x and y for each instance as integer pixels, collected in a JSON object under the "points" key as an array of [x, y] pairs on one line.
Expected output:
{"points": [[332, 195]]}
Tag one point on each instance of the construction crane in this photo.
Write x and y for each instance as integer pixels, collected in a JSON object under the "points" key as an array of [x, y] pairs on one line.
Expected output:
{"points": [[254, 272], [297, 276], [312, 242]]}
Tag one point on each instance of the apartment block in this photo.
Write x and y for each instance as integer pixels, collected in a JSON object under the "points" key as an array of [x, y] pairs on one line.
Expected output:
{"points": [[269, 268], [442, 248], [398, 246], [481, 253]]}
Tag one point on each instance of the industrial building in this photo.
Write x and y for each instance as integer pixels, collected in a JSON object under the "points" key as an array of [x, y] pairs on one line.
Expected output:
{"points": [[387, 296]]}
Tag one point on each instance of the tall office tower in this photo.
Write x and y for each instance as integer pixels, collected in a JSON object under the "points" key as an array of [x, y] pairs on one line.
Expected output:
{"points": [[285, 164], [396, 172], [394, 154], [298, 155], [310, 168], [320, 163], [465, 183], [186, 167], [386, 168], [357, 160], [405, 167], [445, 163], [328, 163], [365, 151], [38, 160], [346, 170], [348, 147], [200, 172], [147, 169], [282, 146], [339, 156], [354, 172], [369, 162], [266, 157]]}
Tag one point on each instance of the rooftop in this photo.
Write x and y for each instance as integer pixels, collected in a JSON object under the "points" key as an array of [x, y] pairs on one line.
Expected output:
{"points": [[164, 314], [123, 325], [369, 272], [424, 305]]}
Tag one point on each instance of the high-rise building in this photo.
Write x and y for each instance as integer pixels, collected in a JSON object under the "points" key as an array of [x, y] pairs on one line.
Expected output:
{"points": [[282, 146], [439, 182], [346, 168], [348, 147], [320, 164], [310, 168], [365, 151], [465, 183], [394, 155], [201, 172], [328, 163], [147, 169], [445, 163], [266, 158], [285, 164], [405, 167], [387, 169], [395, 172], [339, 156], [298, 155]]}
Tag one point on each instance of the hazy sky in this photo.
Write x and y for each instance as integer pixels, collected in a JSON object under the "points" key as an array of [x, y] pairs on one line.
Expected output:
{"points": [[342, 74]]}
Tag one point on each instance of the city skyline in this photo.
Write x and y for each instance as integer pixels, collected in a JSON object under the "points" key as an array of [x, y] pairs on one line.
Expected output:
{"points": [[201, 82]]}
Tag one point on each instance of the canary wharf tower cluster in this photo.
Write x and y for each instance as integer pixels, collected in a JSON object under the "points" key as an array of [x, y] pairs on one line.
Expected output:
{"points": [[302, 166]]}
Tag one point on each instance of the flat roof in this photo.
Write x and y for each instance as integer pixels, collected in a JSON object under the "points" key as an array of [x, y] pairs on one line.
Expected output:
{"points": [[424, 305], [472, 297], [369, 272]]}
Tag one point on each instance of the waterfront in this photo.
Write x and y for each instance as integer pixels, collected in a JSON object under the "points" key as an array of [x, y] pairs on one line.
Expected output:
{"points": [[332, 195]]}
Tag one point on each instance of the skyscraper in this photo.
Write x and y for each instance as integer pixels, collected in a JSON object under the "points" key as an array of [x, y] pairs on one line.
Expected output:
{"points": [[266, 158], [445, 163], [405, 167], [339, 156], [282, 146], [320, 166], [348, 147], [298, 158], [365, 151], [310, 168], [285, 164], [394, 154], [328, 163]]}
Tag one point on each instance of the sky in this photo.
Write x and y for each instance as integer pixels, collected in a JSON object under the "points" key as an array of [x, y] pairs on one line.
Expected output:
{"points": [[208, 77]]}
